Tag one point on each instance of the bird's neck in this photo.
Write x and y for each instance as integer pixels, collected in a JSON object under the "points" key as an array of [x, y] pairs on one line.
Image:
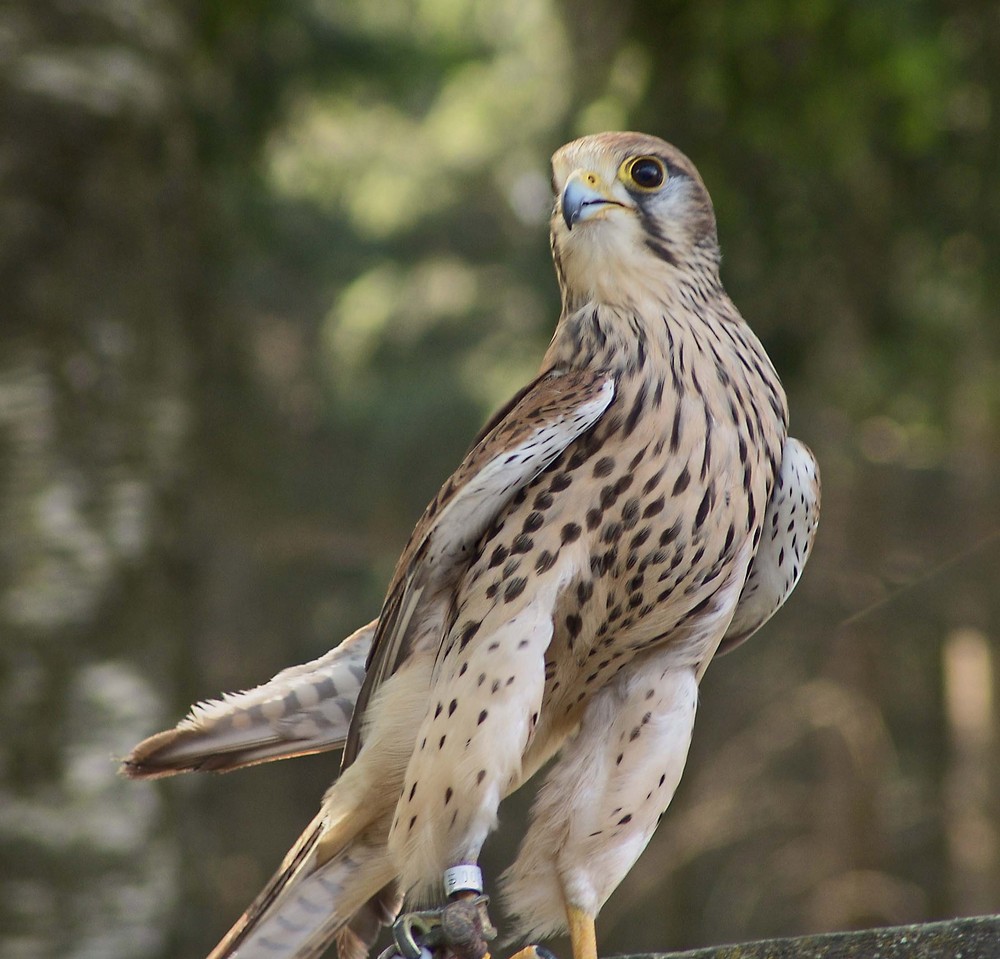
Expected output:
{"points": [[615, 310], [622, 336], [701, 350]]}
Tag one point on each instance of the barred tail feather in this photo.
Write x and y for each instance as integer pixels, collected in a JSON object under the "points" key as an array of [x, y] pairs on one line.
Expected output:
{"points": [[355, 939], [308, 903], [304, 709]]}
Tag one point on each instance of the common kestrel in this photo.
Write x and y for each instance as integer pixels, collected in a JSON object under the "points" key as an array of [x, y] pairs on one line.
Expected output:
{"points": [[633, 511]]}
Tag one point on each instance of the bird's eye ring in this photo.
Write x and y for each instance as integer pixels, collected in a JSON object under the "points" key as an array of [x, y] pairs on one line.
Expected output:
{"points": [[646, 173]]}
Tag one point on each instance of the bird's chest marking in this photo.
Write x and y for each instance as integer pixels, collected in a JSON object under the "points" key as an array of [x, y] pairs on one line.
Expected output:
{"points": [[647, 512]]}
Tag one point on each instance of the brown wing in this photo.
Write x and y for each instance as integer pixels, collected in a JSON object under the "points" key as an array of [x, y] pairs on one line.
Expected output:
{"points": [[553, 411], [786, 542]]}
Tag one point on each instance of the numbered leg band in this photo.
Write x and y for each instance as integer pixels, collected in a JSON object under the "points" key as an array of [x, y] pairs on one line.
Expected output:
{"points": [[463, 878]]}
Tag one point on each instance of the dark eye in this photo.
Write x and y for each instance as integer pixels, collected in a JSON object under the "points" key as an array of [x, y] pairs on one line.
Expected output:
{"points": [[647, 173]]}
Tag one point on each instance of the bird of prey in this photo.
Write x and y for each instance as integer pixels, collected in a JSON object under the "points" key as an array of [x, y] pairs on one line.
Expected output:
{"points": [[633, 511]]}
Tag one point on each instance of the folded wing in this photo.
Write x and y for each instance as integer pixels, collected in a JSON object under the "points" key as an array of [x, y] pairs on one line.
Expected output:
{"points": [[786, 541]]}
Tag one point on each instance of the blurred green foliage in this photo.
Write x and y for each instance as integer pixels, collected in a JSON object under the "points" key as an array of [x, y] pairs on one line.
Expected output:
{"points": [[266, 267]]}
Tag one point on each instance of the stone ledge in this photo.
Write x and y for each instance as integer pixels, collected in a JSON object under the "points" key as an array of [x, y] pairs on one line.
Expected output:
{"points": [[972, 938]]}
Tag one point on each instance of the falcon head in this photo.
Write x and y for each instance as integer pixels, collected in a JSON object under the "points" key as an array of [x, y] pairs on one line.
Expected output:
{"points": [[631, 212]]}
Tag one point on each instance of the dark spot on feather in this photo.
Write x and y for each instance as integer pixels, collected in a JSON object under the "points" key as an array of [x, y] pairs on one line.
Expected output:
{"points": [[630, 512], [653, 481], [570, 533], [640, 538], [675, 433], [469, 630], [543, 500], [653, 508], [545, 562], [706, 502], [636, 411], [533, 522], [636, 460], [604, 466], [682, 482], [670, 533], [560, 482], [511, 567], [514, 588], [623, 484], [522, 544]]}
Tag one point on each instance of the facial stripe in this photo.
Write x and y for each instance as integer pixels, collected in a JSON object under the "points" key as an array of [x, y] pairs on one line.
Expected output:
{"points": [[656, 242]]}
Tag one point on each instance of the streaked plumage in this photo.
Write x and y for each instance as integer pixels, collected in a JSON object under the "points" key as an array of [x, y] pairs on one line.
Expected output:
{"points": [[304, 709], [634, 510]]}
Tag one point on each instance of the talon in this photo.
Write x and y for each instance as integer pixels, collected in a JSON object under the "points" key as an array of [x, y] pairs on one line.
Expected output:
{"points": [[465, 927], [415, 933]]}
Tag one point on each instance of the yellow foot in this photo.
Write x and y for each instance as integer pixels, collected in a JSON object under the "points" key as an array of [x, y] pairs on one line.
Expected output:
{"points": [[582, 933]]}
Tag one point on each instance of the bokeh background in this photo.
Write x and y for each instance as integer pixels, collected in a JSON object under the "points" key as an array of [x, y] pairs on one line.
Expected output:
{"points": [[265, 267]]}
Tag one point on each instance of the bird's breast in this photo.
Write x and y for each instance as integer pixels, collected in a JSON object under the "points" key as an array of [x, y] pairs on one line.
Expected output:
{"points": [[643, 522]]}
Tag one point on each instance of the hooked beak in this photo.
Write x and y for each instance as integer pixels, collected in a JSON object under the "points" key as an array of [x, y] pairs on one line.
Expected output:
{"points": [[583, 197]]}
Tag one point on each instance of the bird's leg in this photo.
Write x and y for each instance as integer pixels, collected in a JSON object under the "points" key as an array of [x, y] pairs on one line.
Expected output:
{"points": [[463, 881], [459, 929], [465, 925], [582, 933]]}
